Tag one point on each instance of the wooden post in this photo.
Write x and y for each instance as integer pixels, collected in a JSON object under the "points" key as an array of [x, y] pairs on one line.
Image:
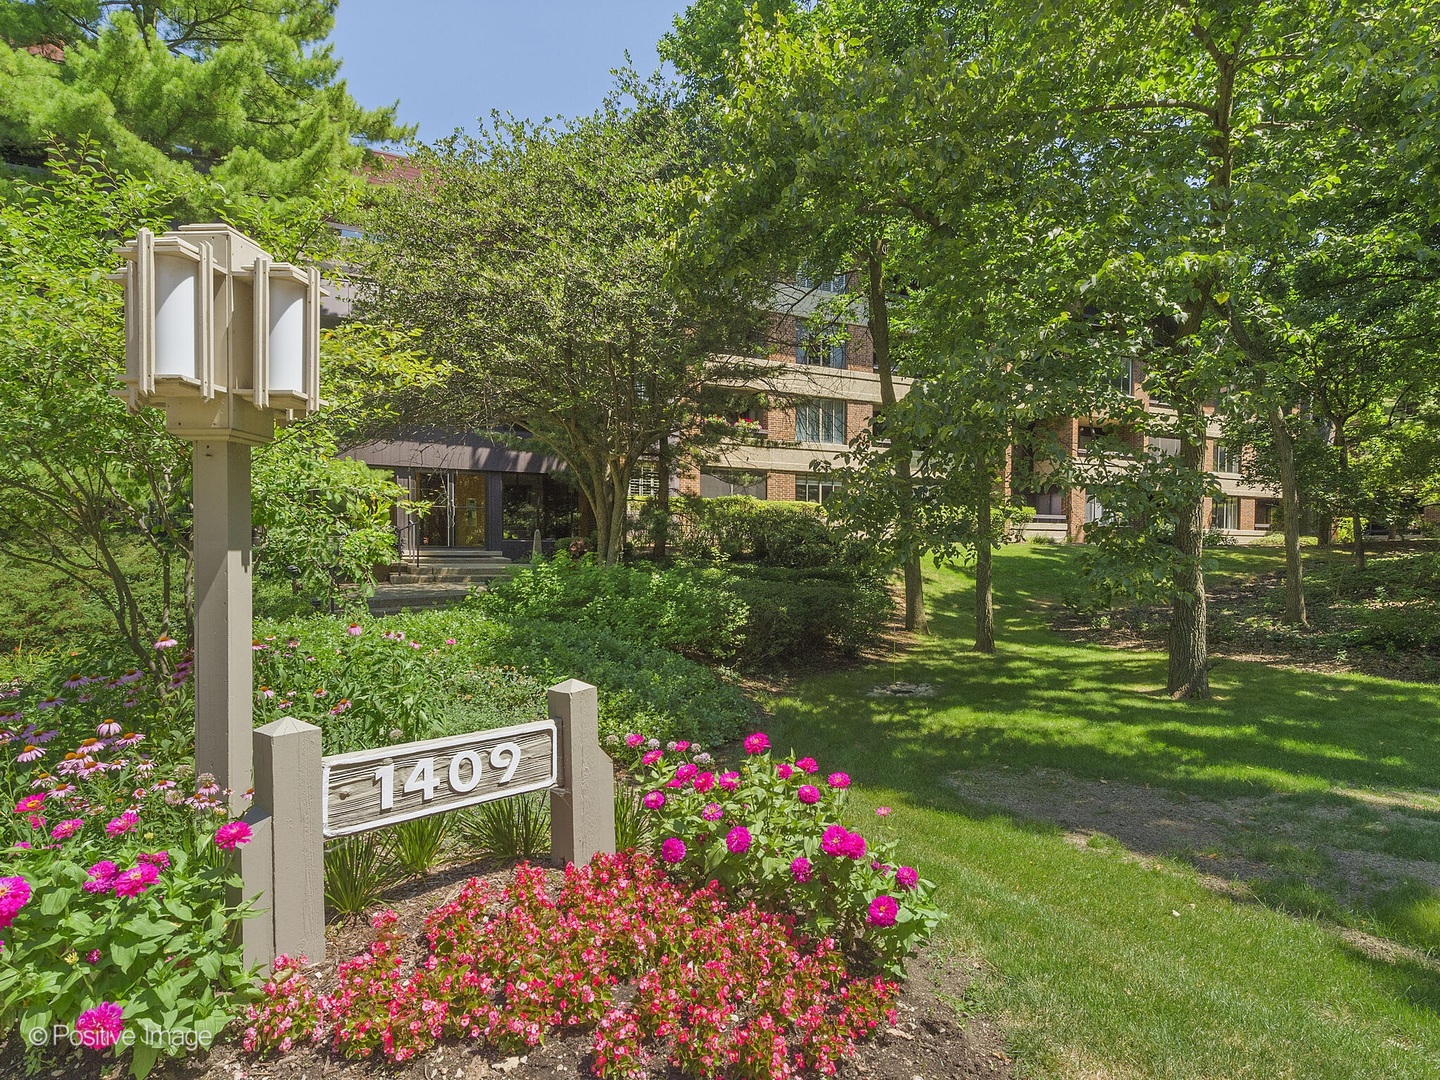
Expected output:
{"points": [[292, 883], [582, 805]]}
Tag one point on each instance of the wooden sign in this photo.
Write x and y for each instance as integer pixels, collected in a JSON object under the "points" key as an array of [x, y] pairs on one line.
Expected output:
{"points": [[369, 789]]}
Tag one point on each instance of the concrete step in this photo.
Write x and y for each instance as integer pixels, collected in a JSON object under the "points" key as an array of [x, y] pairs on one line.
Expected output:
{"points": [[394, 598], [449, 575]]}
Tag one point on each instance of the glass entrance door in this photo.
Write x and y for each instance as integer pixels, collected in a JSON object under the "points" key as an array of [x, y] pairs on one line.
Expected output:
{"points": [[469, 495], [438, 489]]}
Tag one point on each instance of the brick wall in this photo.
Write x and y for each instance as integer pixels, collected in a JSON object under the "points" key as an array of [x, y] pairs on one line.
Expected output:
{"points": [[857, 418], [689, 481], [1247, 513], [780, 485], [860, 352], [780, 423]]}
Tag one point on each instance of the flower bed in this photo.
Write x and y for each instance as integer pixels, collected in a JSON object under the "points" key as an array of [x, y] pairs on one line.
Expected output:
{"points": [[712, 988], [113, 911], [771, 832]]}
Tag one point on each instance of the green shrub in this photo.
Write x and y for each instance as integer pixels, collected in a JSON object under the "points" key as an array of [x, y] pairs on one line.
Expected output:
{"points": [[514, 828], [358, 870], [740, 528], [791, 615]]}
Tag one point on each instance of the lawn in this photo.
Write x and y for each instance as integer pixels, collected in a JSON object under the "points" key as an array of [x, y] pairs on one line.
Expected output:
{"points": [[1115, 952]]}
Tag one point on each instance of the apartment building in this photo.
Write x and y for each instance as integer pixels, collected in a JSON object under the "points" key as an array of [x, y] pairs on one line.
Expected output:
{"points": [[819, 388]]}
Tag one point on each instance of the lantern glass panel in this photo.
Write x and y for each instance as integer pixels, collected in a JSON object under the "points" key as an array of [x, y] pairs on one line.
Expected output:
{"points": [[175, 342], [287, 337]]}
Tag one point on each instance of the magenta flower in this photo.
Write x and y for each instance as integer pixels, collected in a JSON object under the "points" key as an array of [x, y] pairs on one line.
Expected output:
{"points": [[883, 910], [738, 840], [757, 743], [800, 870], [122, 824], [158, 859], [729, 781], [93, 956], [704, 782], [634, 740], [14, 895], [906, 877], [651, 757], [712, 812], [654, 801], [67, 828], [855, 846], [686, 772], [673, 850], [682, 746], [833, 841], [29, 804], [809, 794], [232, 834], [102, 877], [101, 1026], [882, 811], [136, 880], [807, 764], [838, 780], [785, 770]]}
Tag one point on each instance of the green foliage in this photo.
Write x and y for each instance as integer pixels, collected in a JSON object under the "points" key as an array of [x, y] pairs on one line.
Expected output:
{"points": [[791, 614], [245, 95], [358, 871], [418, 845], [514, 828], [633, 827], [755, 530], [685, 609], [321, 519]]}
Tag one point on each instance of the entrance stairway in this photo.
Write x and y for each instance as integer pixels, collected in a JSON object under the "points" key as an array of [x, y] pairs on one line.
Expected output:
{"points": [[437, 576]]}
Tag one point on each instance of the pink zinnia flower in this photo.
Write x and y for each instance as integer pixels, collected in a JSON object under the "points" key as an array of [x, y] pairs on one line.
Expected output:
{"points": [[704, 782], [838, 780], [158, 859], [101, 1026], [712, 812], [809, 794], [785, 770], [738, 840], [14, 895], [906, 877], [651, 757], [882, 811], [634, 740], [686, 772], [855, 846], [102, 877], [93, 956], [682, 746], [800, 869], [729, 781], [757, 743], [833, 840], [807, 764], [883, 910], [673, 850], [654, 801], [231, 835], [122, 824], [136, 880], [29, 804], [67, 828]]}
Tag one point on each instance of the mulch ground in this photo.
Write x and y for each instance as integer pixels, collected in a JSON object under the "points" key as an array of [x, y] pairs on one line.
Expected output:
{"points": [[934, 1037]]}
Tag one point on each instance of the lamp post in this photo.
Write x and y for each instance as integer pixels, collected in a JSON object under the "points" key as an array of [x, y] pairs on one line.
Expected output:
{"points": [[227, 342]]}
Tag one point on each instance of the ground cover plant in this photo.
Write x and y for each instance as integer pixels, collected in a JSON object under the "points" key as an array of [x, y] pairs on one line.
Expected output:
{"points": [[1131, 953], [713, 988], [114, 912]]}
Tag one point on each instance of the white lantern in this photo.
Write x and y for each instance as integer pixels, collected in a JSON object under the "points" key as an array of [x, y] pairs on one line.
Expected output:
{"points": [[287, 336], [169, 317]]}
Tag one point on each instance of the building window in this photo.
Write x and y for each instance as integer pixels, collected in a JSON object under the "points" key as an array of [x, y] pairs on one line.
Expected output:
{"points": [[1125, 377], [814, 489], [1095, 512], [817, 352], [1226, 459], [714, 485], [834, 284], [1225, 513], [1164, 448], [1049, 503], [820, 422], [1263, 511], [645, 481]]}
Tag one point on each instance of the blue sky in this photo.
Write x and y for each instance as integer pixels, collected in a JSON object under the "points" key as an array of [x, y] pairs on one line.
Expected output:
{"points": [[450, 61]]}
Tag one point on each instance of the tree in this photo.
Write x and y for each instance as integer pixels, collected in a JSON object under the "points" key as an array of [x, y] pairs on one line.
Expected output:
{"points": [[241, 91], [540, 263], [1206, 133]]}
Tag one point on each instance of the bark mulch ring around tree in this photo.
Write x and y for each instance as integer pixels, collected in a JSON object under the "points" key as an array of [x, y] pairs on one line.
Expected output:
{"points": [[934, 1037]]}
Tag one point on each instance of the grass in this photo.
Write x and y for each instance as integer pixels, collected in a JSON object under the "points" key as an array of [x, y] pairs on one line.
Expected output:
{"points": [[1101, 964]]}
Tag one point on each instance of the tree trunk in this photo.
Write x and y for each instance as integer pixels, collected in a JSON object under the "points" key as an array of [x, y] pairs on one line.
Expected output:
{"points": [[880, 344], [984, 591], [1356, 525], [1189, 651], [660, 544], [1290, 509]]}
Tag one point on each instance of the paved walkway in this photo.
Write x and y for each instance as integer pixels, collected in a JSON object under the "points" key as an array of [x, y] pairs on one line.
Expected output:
{"points": [[391, 599]]}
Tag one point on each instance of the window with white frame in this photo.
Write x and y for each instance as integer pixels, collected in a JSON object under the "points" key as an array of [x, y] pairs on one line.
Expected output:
{"points": [[1226, 459], [820, 421], [814, 488], [836, 283], [645, 481], [1225, 512], [1164, 447], [817, 349]]}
